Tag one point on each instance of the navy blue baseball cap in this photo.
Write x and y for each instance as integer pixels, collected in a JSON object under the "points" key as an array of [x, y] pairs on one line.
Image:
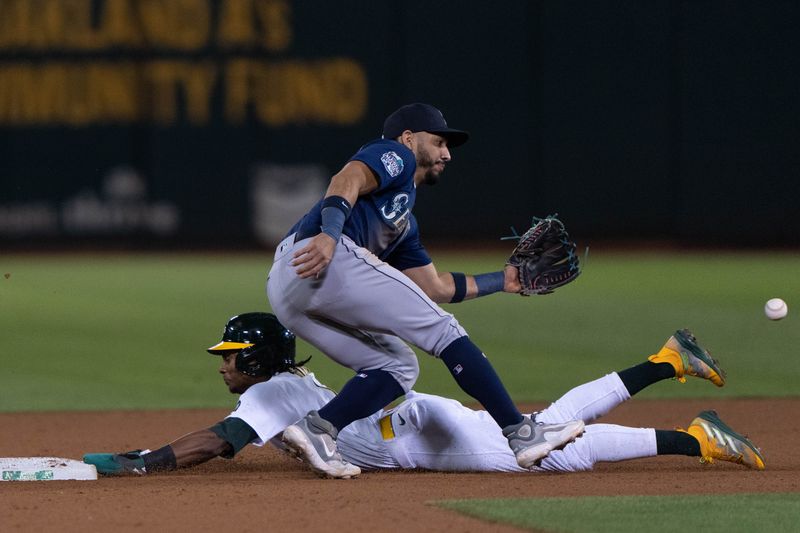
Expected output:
{"points": [[422, 117]]}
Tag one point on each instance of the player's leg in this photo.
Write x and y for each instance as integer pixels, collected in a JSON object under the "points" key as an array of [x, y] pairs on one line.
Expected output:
{"points": [[328, 312], [707, 437], [375, 384], [586, 402], [680, 356], [529, 440], [440, 434], [386, 368], [602, 442]]}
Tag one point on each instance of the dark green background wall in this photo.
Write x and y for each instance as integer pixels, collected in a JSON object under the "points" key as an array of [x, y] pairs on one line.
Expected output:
{"points": [[645, 121]]}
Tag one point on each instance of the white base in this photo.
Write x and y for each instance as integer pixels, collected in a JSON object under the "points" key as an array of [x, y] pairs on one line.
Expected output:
{"points": [[44, 469]]}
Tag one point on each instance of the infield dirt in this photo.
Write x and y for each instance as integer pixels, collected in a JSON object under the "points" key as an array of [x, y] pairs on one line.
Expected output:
{"points": [[265, 490]]}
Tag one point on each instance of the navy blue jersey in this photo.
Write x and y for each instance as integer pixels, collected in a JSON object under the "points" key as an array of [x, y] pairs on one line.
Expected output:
{"points": [[381, 221]]}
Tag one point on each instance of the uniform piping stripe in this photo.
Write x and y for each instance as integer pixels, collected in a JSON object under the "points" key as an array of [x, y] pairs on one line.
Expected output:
{"points": [[436, 309]]}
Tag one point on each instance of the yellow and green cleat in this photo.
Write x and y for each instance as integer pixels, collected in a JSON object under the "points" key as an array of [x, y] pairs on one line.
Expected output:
{"points": [[689, 359], [720, 442]]}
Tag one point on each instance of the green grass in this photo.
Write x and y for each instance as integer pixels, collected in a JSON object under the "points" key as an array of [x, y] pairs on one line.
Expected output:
{"points": [[620, 514], [624, 306], [130, 331]]}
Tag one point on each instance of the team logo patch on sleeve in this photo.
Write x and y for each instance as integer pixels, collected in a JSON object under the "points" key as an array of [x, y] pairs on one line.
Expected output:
{"points": [[393, 163]]}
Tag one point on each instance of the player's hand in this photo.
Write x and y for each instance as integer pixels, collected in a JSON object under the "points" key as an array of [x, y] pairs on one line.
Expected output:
{"points": [[511, 283], [117, 464], [314, 257]]}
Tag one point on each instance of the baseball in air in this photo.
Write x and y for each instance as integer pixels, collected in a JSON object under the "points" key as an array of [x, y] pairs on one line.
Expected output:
{"points": [[775, 309]]}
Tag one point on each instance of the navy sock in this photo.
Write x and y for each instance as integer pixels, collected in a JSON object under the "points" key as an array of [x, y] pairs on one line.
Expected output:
{"points": [[676, 443], [640, 376], [474, 374], [364, 394]]}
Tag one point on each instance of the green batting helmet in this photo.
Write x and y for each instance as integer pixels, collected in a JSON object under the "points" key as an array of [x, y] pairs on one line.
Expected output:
{"points": [[265, 347]]}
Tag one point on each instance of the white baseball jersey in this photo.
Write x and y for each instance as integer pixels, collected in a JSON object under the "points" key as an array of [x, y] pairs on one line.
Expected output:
{"points": [[435, 433], [271, 406]]}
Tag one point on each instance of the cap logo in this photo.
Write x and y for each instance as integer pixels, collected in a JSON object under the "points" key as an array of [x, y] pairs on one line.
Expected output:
{"points": [[393, 163]]}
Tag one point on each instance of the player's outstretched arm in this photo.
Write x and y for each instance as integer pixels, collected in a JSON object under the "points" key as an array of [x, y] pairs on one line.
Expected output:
{"points": [[453, 287], [222, 440], [199, 447]]}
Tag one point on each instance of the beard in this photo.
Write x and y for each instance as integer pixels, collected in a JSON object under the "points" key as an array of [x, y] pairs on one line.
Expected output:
{"points": [[431, 176]]}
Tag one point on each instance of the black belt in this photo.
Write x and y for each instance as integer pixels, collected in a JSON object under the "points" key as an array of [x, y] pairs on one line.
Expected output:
{"points": [[299, 236]]}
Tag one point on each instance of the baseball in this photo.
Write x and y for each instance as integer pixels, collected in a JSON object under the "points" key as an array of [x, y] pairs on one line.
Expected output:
{"points": [[775, 309]]}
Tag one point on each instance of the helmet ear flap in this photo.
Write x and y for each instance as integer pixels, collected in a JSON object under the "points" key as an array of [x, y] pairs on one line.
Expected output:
{"points": [[248, 361]]}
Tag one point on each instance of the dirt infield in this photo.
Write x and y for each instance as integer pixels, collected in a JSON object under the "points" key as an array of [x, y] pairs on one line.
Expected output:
{"points": [[263, 490]]}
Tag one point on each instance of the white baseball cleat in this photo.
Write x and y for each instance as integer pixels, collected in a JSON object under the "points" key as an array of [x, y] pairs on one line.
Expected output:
{"points": [[313, 440], [532, 441]]}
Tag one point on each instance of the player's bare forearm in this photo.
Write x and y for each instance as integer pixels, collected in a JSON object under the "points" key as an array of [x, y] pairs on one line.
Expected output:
{"points": [[436, 286], [198, 447], [447, 288], [441, 286]]}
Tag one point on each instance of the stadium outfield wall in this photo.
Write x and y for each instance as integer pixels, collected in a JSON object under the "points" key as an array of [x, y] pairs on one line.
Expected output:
{"points": [[208, 123]]}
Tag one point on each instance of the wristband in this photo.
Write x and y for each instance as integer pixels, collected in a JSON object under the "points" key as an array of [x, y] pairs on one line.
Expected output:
{"points": [[334, 213], [460, 281], [490, 283], [332, 222], [160, 460], [339, 203]]}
